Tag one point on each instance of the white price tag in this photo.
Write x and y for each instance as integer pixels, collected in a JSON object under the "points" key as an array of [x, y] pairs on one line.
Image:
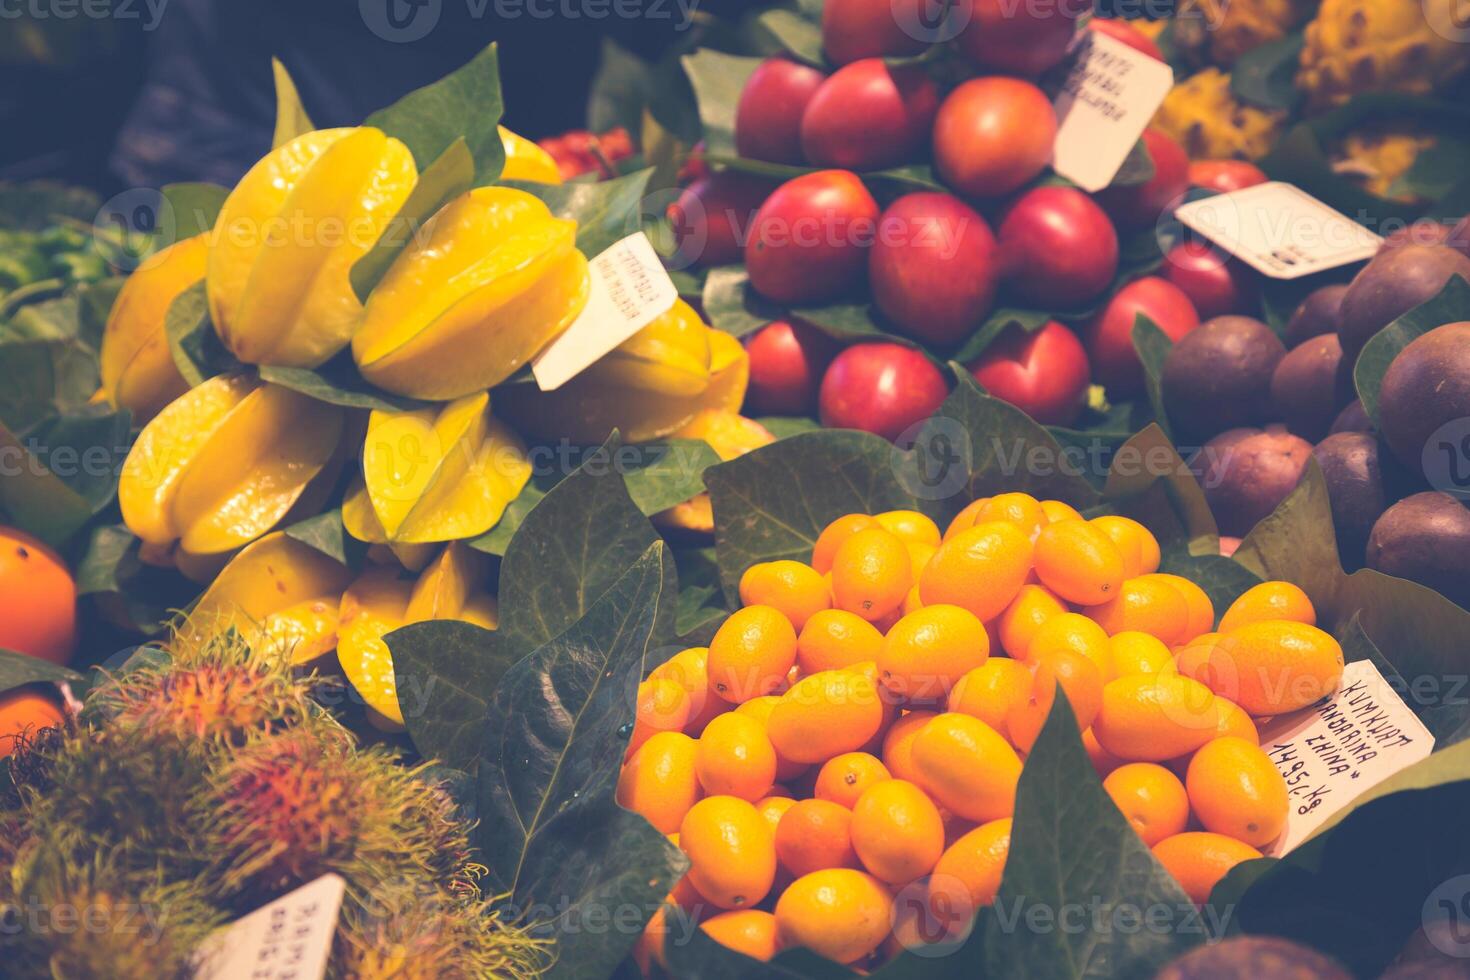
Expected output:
{"points": [[1104, 105], [1340, 748], [289, 939], [629, 289], [1280, 230]]}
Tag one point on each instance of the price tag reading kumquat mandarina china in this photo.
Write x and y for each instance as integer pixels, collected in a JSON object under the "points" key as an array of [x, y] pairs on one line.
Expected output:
{"points": [[289, 939], [1103, 107], [1341, 747], [629, 289]]}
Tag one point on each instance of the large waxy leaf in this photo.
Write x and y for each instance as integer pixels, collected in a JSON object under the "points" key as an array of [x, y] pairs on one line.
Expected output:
{"points": [[452, 669], [996, 324], [43, 378], [569, 550], [1149, 459], [718, 79], [196, 348], [1265, 76], [196, 206], [325, 533], [606, 212], [338, 382], [62, 473], [1152, 346], [1071, 853], [732, 306], [466, 104], [140, 596], [17, 669], [1452, 305], [800, 36], [551, 831], [291, 118]]}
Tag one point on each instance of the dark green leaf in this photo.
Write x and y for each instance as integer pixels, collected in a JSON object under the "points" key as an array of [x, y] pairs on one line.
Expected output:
{"points": [[732, 306], [196, 348], [337, 382], [95, 302], [783, 426], [1138, 167], [850, 319], [664, 474], [1149, 459], [1436, 171], [496, 540], [606, 212], [798, 35], [1452, 305], [1072, 850], [466, 104], [42, 378], [442, 181], [1265, 76], [701, 597], [551, 831], [139, 595], [325, 533], [997, 323], [195, 207], [291, 117], [446, 673], [570, 549], [34, 498], [85, 451], [33, 205], [38, 314], [1153, 346], [17, 669], [717, 79], [760, 168], [917, 176]]}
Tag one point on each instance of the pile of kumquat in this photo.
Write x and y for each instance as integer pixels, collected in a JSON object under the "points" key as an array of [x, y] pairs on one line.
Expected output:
{"points": [[859, 727]]}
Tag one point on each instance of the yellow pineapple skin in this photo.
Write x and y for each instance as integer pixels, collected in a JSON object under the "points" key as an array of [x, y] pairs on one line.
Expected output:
{"points": [[1377, 155], [1357, 46], [1204, 117]]}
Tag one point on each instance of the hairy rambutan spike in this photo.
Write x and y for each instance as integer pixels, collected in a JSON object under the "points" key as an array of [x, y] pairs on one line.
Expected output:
{"points": [[284, 810], [430, 933], [94, 918]]}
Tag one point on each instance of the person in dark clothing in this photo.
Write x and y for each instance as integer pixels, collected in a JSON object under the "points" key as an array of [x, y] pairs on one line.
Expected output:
{"points": [[207, 107]]}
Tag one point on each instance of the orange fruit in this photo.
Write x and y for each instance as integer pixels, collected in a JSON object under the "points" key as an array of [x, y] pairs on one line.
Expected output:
{"points": [[833, 639], [815, 834], [1103, 761], [690, 669], [1151, 798], [24, 711], [1059, 510], [1078, 562], [735, 758], [898, 743], [731, 851], [834, 534], [897, 831], [844, 778], [751, 654], [1032, 606], [1147, 604], [1132, 652], [760, 709], [1234, 721], [663, 706], [38, 599], [1076, 633], [1199, 859], [1155, 717], [911, 527], [1080, 678], [968, 873], [840, 913], [967, 767], [1268, 601], [871, 574], [990, 691], [1236, 790], [980, 569], [1201, 609], [825, 714], [1136, 543], [912, 602], [1273, 667], [773, 808], [929, 650], [1020, 509], [659, 782], [748, 931], [965, 519], [797, 591]]}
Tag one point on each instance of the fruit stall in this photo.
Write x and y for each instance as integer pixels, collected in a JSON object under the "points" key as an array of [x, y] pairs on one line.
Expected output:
{"points": [[915, 490]]}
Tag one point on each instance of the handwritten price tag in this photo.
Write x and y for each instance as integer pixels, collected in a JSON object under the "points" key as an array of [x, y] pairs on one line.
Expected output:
{"points": [[1341, 747], [289, 939], [1104, 105], [629, 290]]}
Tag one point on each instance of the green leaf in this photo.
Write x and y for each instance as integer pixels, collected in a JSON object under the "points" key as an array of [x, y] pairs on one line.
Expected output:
{"points": [[782, 426], [1153, 346], [718, 79], [773, 503], [606, 212], [1437, 171], [34, 497], [1223, 579], [569, 550], [664, 474], [140, 594], [997, 323], [798, 35], [291, 117], [449, 671], [18, 669], [84, 450], [43, 378], [196, 207], [197, 350], [325, 533], [34, 205], [40, 315], [1452, 305], [441, 182], [466, 104], [701, 597], [915, 176], [496, 540], [1072, 850], [732, 306], [1138, 167], [551, 831], [1149, 459], [1265, 76], [337, 382], [95, 301]]}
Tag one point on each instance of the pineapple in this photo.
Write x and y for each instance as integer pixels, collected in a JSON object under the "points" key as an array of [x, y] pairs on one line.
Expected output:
{"points": [[1220, 31], [1356, 46], [1203, 115]]}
